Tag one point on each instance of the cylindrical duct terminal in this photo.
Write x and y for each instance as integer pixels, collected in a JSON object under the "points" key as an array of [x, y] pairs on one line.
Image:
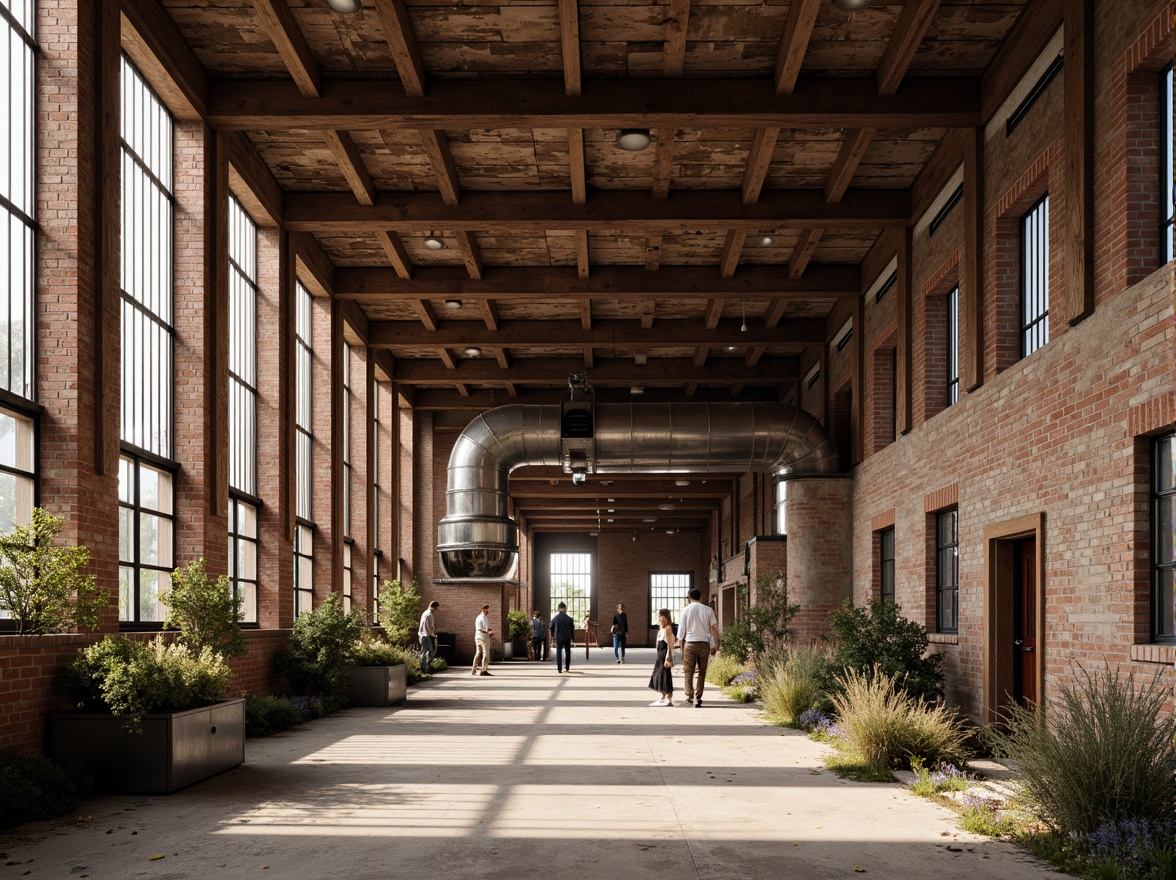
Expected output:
{"points": [[477, 539]]}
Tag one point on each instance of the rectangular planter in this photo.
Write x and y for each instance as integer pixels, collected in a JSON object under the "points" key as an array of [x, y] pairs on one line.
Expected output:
{"points": [[378, 685], [172, 751]]}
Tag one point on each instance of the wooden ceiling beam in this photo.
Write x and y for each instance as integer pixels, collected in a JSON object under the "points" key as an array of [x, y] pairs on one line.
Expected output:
{"points": [[909, 30], [467, 244], [576, 166], [1035, 27], [648, 307], [677, 23], [583, 266], [569, 38], [714, 312], [482, 399], [312, 265], [667, 333], [502, 355], [774, 312], [288, 39], [849, 157], [866, 210], [589, 357], [614, 371], [798, 29], [753, 355], [427, 315], [607, 282], [732, 248], [586, 318], [653, 246], [353, 105], [153, 41], [663, 162], [489, 309], [698, 361], [803, 252], [447, 358], [402, 45], [347, 155], [758, 162], [436, 146], [397, 254], [575, 503]]}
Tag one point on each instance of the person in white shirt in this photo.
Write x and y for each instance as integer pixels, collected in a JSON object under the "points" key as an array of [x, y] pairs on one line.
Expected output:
{"points": [[427, 633], [482, 633], [698, 636]]}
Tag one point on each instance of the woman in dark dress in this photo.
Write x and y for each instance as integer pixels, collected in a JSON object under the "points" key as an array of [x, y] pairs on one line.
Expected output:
{"points": [[620, 632], [662, 679]]}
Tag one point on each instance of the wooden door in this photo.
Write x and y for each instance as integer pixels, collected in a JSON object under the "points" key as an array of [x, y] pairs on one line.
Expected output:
{"points": [[1024, 645]]}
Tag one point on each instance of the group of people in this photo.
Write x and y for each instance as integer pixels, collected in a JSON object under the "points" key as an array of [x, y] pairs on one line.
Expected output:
{"points": [[697, 638]]}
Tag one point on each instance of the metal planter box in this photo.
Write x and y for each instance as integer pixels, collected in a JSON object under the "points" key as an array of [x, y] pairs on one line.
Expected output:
{"points": [[172, 751], [378, 685]]}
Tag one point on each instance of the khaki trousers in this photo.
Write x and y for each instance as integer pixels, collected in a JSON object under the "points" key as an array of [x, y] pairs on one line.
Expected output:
{"points": [[695, 655], [481, 655]]}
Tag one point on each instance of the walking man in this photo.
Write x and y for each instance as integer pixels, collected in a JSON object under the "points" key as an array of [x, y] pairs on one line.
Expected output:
{"points": [[482, 633], [538, 636], [427, 632], [563, 630], [698, 635]]}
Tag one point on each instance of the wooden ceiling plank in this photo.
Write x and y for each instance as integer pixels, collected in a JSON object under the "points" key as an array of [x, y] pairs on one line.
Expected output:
{"points": [[798, 29], [397, 254], [909, 30], [426, 313], [295, 52], [663, 162], [759, 160], [436, 146], [582, 264], [614, 371], [632, 283], [489, 309], [803, 252], [732, 248], [347, 155], [569, 37], [624, 102], [630, 210], [648, 308], [576, 166], [467, 243], [402, 44], [849, 157], [569, 332], [774, 312], [677, 23]]}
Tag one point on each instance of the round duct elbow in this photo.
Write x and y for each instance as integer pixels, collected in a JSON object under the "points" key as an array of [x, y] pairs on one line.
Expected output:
{"points": [[478, 546]]}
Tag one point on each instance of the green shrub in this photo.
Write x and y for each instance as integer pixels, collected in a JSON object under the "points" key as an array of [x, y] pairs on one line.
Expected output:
{"points": [[267, 715], [373, 652], [740, 693], [400, 611], [722, 668], [929, 782], [518, 626], [206, 611], [42, 586], [982, 815], [319, 661], [888, 728], [33, 787], [139, 678], [791, 686], [877, 637], [737, 641], [438, 665], [1104, 753]]}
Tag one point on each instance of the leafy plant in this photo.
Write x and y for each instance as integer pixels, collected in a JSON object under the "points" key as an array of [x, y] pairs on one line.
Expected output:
{"points": [[1105, 753], [33, 787], [399, 611], [518, 626], [319, 661], [791, 686], [267, 714], [1134, 848], [43, 586], [770, 615], [374, 652], [878, 638], [722, 668], [928, 782], [134, 678], [888, 728], [736, 641], [206, 611], [982, 815]]}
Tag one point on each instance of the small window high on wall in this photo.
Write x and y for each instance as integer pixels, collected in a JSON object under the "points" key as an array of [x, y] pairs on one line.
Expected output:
{"points": [[1035, 277], [571, 582], [1163, 610], [303, 446], [1168, 170], [953, 346]]}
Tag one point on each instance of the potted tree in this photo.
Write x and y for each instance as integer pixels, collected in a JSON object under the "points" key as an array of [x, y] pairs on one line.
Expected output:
{"points": [[320, 660], [152, 715], [518, 634]]}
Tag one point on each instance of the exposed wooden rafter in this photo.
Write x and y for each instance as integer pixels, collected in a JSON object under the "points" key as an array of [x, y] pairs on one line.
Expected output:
{"points": [[569, 38], [802, 15], [347, 155], [471, 254], [437, 149], [677, 23], [402, 45], [283, 30], [614, 371], [397, 254]]}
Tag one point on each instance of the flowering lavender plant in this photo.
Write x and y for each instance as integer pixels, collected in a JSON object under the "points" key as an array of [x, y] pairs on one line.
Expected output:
{"points": [[745, 679], [1134, 844], [809, 720]]}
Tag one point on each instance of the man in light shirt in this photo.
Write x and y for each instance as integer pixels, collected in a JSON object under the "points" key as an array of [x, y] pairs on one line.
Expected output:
{"points": [[427, 633], [482, 633], [698, 636]]}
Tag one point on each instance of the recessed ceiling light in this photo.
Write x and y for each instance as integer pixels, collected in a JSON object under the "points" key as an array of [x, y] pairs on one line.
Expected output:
{"points": [[636, 389], [766, 241], [453, 304], [851, 5], [433, 243], [472, 351], [612, 510], [732, 348], [649, 519], [665, 507], [633, 140], [681, 482], [344, 7], [611, 500]]}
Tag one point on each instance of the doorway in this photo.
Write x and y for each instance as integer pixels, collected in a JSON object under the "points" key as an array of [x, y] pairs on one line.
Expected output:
{"points": [[1014, 615]]}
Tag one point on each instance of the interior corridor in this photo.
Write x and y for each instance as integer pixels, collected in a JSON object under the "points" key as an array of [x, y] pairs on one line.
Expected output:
{"points": [[527, 773]]}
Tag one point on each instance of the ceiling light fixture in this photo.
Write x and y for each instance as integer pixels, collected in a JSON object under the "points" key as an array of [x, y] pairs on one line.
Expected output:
{"points": [[433, 243], [766, 241], [665, 506], [681, 482], [734, 347], [453, 304], [851, 5], [345, 7], [472, 351], [743, 326], [636, 389], [633, 140], [649, 519]]}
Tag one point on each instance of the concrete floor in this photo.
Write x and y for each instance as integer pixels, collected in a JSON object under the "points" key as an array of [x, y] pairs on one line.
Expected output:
{"points": [[525, 774]]}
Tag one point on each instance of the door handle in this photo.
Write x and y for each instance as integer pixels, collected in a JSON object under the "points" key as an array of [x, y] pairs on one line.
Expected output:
{"points": [[1018, 642]]}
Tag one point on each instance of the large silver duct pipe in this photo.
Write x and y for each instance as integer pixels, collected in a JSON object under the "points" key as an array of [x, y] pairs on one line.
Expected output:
{"points": [[477, 539]]}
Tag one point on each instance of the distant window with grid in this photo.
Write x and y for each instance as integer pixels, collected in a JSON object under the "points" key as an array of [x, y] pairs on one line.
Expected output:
{"points": [[1163, 616], [1168, 183], [348, 570], [18, 206], [669, 589], [886, 564], [243, 556], [1035, 277], [953, 346], [571, 582], [347, 469], [781, 503], [146, 539], [17, 478], [947, 571], [303, 441], [377, 490]]}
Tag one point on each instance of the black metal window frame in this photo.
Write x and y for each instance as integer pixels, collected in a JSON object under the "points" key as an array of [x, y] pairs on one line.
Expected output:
{"points": [[886, 564], [1163, 530], [244, 547], [1035, 277], [574, 565], [17, 480], [1168, 171], [348, 572], [134, 513], [942, 214], [304, 442], [348, 471], [953, 346], [1035, 93], [668, 589], [887, 286], [377, 537], [780, 507], [243, 296], [303, 566], [18, 201], [947, 571]]}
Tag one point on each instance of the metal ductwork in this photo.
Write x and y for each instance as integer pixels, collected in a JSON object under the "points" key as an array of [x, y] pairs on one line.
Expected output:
{"points": [[477, 539]]}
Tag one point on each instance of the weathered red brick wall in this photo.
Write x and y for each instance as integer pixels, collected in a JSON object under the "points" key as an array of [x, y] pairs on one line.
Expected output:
{"points": [[819, 557]]}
